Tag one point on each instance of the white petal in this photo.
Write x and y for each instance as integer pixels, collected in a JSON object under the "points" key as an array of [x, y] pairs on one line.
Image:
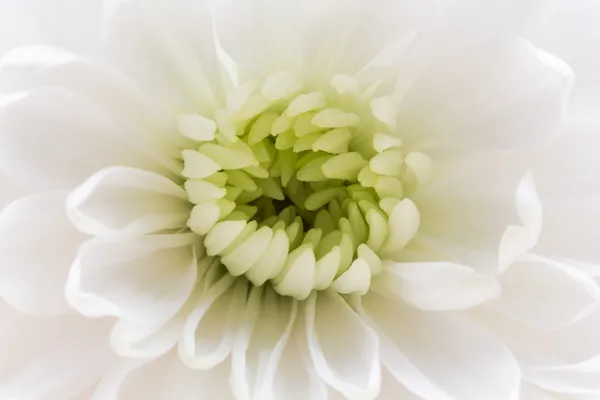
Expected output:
{"points": [[127, 201], [296, 378], [65, 23], [184, 383], [569, 187], [42, 357], [210, 329], [512, 95], [535, 346], [143, 280], [36, 128], [442, 355], [37, 246], [260, 344], [478, 216], [546, 293], [565, 381], [531, 392], [570, 34], [307, 32], [171, 53], [126, 111], [344, 350], [436, 286]]}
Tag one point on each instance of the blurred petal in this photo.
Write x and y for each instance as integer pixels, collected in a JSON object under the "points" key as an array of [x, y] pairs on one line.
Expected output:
{"points": [[127, 201], [546, 293], [348, 362], [442, 355], [37, 246], [432, 286], [42, 356]]}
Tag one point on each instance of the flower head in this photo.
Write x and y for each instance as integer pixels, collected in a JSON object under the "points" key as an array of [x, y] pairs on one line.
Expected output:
{"points": [[280, 199]]}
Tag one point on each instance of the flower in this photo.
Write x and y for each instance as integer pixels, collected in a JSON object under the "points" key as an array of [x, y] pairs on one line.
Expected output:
{"points": [[280, 199]]}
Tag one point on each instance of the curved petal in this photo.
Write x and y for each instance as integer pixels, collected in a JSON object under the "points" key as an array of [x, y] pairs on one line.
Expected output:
{"points": [[35, 128], [539, 347], [212, 325], [565, 380], [143, 280], [512, 95], [486, 226], [570, 33], [569, 186], [37, 246], [442, 355], [66, 23], [436, 286], [184, 383], [348, 362], [296, 378], [170, 52], [42, 356], [324, 39], [545, 293], [261, 341], [127, 201]]}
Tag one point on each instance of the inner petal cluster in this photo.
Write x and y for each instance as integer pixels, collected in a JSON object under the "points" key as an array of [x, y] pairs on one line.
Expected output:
{"points": [[304, 189]]}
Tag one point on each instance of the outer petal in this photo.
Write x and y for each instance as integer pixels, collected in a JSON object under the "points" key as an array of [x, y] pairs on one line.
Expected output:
{"points": [[512, 95], [260, 344], [210, 329], [355, 373], [539, 347], [478, 216], [37, 246], [127, 201], [569, 185], [442, 355], [546, 293], [322, 38], [42, 356], [436, 286], [169, 52], [570, 33], [144, 281], [296, 378], [35, 128], [66, 23]]}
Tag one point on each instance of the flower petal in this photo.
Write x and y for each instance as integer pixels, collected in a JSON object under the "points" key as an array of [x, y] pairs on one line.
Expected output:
{"points": [[296, 378], [535, 346], [348, 362], [211, 327], [486, 226], [442, 355], [65, 23], [570, 34], [37, 246], [127, 201], [309, 30], [42, 356], [184, 383], [143, 280], [546, 293], [512, 95], [139, 119], [170, 52], [570, 191], [261, 341], [35, 128], [436, 286]]}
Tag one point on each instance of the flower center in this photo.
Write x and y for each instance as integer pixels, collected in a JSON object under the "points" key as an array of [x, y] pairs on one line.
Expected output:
{"points": [[303, 189]]}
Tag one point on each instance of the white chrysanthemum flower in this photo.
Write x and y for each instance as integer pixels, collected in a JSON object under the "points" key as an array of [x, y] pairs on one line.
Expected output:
{"points": [[316, 199]]}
